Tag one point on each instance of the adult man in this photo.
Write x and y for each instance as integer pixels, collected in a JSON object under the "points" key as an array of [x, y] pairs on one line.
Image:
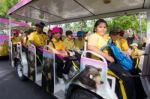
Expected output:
{"points": [[38, 38]]}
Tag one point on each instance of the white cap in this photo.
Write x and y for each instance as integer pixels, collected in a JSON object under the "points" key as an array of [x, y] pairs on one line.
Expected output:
{"points": [[134, 44]]}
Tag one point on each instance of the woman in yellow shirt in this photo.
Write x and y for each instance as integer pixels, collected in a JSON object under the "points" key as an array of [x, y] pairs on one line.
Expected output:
{"points": [[97, 41]]}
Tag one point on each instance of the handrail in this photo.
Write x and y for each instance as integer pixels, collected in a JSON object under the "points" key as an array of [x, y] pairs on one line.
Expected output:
{"points": [[88, 51]]}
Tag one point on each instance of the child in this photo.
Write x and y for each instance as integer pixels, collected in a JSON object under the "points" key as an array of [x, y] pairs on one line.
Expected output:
{"points": [[135, 54]]}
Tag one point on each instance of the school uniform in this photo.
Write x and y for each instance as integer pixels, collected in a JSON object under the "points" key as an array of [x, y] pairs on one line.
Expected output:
{"points": [[127, 86], [62, 67]]}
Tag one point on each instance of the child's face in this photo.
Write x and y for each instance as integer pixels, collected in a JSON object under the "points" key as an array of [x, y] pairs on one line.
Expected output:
{"points": [[134, 47], [39, 29], [101, 28], [57, 35], [70, 36], [114, 37]]}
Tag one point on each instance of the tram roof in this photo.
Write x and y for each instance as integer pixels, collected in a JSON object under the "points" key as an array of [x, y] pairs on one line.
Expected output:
{"points": [[63, 11]]}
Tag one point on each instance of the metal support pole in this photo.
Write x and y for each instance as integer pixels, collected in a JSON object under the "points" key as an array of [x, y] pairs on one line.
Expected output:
{"points": [[9, 30], [148, 26]]}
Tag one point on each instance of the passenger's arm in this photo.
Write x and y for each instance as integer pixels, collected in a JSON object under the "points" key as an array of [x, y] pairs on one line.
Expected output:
{"points": [[127, 52], [61, 53], [32, 39], [94, 49], [125, 47], [32, 42]]}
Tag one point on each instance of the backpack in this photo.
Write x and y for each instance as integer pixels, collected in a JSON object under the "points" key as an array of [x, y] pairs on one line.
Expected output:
{"points": [[121, 58]]}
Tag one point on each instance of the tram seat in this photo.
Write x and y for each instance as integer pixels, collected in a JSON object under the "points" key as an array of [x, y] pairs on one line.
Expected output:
{"points": [[99, 65]]}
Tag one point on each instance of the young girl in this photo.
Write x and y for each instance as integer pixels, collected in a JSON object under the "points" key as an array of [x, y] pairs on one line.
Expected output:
{"points": [[60, 54], [97, 41]]}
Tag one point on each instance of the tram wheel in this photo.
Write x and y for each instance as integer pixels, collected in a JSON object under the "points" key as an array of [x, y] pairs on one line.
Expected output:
{"points": [[19, 70]]}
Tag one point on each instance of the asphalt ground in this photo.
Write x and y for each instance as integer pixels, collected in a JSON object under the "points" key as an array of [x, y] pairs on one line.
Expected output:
{"points": [[11, 87]]}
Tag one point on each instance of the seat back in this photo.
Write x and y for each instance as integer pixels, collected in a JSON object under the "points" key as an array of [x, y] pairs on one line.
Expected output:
{"points": [[32, 62], [105, 89], [48, 69], [94, 63]]}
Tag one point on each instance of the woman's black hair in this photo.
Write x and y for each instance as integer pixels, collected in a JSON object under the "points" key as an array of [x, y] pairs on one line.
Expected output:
{"points": [[98, 22]]}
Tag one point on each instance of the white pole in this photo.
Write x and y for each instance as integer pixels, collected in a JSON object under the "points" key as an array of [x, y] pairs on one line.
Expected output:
{"points": [[10, 43], [9, 30], [148, 26]]}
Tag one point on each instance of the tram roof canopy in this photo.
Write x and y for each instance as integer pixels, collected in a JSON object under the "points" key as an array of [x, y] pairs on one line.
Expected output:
{"points": [[62, 11]]}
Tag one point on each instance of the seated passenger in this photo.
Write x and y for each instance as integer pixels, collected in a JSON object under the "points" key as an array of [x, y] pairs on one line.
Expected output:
{"points": [[49, 35], [61, 57], [69, 41], [38, 38], [122, 42], [25, 41], [140, 93], [135, 54], [15, 38], [79, 42], [97, 41]]}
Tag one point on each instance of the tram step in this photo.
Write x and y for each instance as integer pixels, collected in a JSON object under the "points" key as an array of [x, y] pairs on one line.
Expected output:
{"points": [[39, 79], [59, 91]]}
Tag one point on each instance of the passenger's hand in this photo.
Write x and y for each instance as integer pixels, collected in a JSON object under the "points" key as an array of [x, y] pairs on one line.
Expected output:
{"points": [[71, 53], [110, 59], [62, 53], [65, 54]]}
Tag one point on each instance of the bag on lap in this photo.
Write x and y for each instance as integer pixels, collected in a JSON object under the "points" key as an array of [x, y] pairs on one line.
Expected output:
{"points": [[121, 58]]}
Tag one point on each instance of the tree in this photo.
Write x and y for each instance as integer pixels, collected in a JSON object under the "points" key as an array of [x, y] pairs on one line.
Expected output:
{"points": [[129, 21], [5, 5], [123, 22]]}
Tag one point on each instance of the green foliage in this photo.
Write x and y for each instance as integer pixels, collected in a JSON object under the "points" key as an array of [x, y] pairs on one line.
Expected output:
{"points": [[81, 25], [123, 22], [126, 22], [5, 5]]}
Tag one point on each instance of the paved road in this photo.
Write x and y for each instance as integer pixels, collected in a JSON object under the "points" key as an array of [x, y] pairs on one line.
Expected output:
{"points": [[12, 88]]}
